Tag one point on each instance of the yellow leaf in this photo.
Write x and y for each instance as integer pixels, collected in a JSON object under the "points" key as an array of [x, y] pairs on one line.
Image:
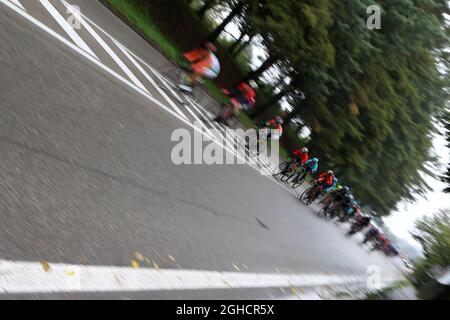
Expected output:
{"points": [[134, 264], [70, 273], [45, 266]]}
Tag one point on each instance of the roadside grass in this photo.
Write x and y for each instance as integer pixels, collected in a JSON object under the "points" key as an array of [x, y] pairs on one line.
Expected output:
{"points": [[145, 23], [383, 294]]}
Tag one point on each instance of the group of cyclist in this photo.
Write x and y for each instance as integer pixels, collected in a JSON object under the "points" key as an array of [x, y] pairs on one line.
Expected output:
{"points": [[337, 201], [203, 63]]}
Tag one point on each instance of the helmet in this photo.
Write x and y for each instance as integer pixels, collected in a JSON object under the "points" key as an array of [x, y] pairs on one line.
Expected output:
{"points": [[279, 119], [305, 150], [315, 160], [253, 84], [330, 172]]}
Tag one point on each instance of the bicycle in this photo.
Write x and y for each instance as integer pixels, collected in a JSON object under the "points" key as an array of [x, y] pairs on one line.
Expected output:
{"points": [[176, 75], [285, 169], [298, 179], [310, 195], [228, 111]]}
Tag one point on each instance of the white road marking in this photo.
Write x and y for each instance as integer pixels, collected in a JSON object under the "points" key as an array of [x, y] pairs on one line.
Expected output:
{"points": [[97, 62], [18, 4], [108, 49], [169, 85], [133, 57], [66, 27], [30, 277]]}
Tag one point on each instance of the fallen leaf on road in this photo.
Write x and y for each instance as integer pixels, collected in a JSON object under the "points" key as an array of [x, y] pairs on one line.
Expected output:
{"points": [[70, 273], [293, 290], [134, 264], [45, 266]]}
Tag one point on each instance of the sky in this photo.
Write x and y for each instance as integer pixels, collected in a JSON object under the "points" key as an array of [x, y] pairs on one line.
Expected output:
{"points": [[401, 222]]}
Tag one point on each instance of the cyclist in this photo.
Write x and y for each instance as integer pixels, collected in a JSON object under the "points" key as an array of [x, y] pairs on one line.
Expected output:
{"points": [[372, 233], [241, 97], [245, 94], [331, 197], [203, 63], [310, 167], [325, 180], [333, 186], [338, 197], [359, 224], [300, 156], [275, 127]]}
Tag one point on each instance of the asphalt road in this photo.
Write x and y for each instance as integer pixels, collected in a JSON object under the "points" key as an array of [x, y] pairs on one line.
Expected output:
{"points": [[86, 175]]}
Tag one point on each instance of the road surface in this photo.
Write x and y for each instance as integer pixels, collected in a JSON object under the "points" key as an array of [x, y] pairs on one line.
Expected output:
{"points": [[86, 176]]}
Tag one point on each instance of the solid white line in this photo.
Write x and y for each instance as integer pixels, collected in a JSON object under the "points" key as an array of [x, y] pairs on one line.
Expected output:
{"points": [[168, 84], [30, 277], [163, 81], [66, 27], [108, 49], [18, 4], [133, 57]]}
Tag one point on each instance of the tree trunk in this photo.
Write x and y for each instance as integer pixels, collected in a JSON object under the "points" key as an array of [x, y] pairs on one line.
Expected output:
{"points": [[236, 43], [292, 114], [236, 11], [253, 75], [245, 44], [205, 7], [266, 106]]}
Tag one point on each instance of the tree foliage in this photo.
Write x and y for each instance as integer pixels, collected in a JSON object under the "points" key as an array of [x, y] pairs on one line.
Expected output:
{"points": [[433, 233], [373, 96]]}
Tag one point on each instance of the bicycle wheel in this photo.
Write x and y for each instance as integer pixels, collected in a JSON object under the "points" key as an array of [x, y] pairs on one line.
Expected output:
{"points": [[322, 213], [175, 76], [304, 197], [287, 175], [281, 168], [297, 181]]}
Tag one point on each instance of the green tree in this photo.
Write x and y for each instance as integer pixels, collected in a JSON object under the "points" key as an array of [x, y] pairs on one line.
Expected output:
{"points": [[433, 233]]}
